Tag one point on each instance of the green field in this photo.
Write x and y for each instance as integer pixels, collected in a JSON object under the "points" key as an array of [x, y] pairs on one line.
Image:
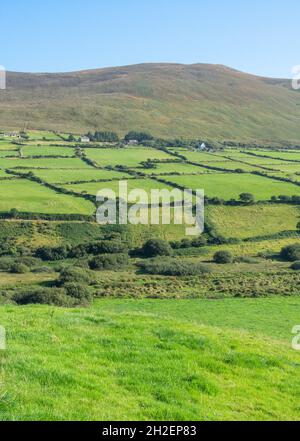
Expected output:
{"points": [[40, 135], [282, 154], [93, 187], [256, 160], [129, 157], [75, 175], [231, 185], [290, 167], [3, 174], [59, 163], [256, 220], [5, 153], [232, 165], [175, 167], [201, 157], [151, 360], [214, 346], [47, 151], [29, 196], [7, 145]]}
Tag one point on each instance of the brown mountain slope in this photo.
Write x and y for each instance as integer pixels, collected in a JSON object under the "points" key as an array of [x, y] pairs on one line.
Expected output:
{"points": [[200, 100]]}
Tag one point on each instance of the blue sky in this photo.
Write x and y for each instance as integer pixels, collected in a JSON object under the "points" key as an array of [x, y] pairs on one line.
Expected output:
{"points": [[258, 37]]}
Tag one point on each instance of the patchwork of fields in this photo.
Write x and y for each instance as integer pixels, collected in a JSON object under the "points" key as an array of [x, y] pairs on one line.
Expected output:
{"points": [[223, 174], [147, 345]]}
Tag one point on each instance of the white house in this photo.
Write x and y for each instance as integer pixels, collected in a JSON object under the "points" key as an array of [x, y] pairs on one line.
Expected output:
{"points": [[85, 139]]}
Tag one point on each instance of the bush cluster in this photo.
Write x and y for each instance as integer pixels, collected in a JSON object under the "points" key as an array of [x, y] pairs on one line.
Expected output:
{"points": [[172, 267], [223, 257], [156, 247], [295, 265], [108, 261], [291, 253]]}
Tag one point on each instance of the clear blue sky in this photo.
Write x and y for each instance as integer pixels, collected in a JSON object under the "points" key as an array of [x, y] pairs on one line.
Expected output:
{"points": [[259, 37]]}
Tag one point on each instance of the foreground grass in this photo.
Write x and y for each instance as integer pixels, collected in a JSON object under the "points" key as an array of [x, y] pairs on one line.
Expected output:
{"points": [[151, 359]]}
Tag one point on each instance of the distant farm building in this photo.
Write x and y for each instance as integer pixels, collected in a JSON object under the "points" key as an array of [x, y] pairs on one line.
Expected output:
{"points": [[11, 135], [201, 147], [133, 142], [85, 139]]}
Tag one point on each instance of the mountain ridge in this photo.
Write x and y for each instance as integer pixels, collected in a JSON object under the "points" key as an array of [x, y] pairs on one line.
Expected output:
{"points": [[167, 99]]}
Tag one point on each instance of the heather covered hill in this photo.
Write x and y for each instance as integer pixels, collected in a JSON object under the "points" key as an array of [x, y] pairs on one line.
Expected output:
{"points": [[168, 100]]}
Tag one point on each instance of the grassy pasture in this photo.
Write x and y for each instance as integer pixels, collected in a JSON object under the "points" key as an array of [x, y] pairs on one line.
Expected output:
{"points": [[200, 157], [283, 154], [3, 174], [47, 151], [255, 160], [292, 176], [231, 185], [40, 135], [252, 248], [251, 221], [29, 196], [59, 163], [5, 153], [151, 359], [130, 157], [93, 187], [5, 145], [85, 174], [290, 167], [176, 167], [231, 165]]}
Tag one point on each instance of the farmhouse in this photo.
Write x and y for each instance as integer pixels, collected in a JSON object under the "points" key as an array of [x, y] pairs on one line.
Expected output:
{"points": [[132, 142], [201, 147], [85, 139], [11, 135]]}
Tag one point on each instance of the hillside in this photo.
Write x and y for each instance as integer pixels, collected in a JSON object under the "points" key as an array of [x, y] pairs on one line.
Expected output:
{"points": [[200, 100]]}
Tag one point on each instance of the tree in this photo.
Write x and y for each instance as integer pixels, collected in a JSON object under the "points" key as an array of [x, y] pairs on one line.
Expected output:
{"points": [[156, 247], [139, 136], [247, 198], [148, 164], [103, 136]]}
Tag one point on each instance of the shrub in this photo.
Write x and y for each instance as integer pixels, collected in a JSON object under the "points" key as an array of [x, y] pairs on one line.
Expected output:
{"points": [[76, 275], [108, 261], [156, 247], [19, 268], [78, 251], [295, 265], [6, 263], [28, 261], [172, 267], [50, 253], [78, 291], [291, 252], [47, 296], [223, 257], [42, 269], [199, 241], [247, 198], [106, 247]]}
